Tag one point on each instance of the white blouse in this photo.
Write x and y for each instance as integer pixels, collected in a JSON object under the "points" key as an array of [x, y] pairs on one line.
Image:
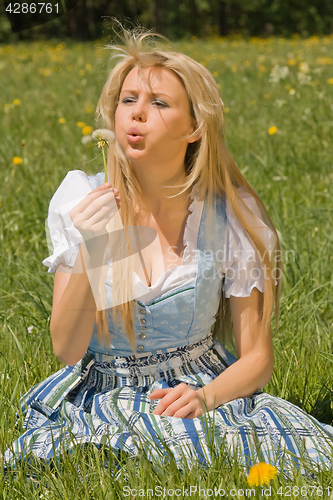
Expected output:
{"points": [[241, 267]]}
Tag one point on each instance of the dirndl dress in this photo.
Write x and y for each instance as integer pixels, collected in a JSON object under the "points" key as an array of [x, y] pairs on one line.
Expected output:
{"points": [[104, 398]]}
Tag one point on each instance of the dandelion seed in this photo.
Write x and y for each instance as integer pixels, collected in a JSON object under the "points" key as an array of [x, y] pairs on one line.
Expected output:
{"points": [[272, 130], [261, 474], [30, 328], [104, 137], [17, 160], [292, 92], [62, 120]]}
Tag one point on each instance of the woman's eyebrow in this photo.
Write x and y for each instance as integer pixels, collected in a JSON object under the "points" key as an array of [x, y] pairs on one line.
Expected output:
{"points": [[153, 94]]}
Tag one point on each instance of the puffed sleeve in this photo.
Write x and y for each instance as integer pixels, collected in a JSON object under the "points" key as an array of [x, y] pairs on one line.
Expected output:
{"points": [[243, 269], [63, 238]]}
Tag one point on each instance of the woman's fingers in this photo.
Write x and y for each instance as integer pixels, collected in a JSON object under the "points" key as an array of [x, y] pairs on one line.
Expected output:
{"points": [[169, 397], [180, 402], [160, 393], [91, 215]]}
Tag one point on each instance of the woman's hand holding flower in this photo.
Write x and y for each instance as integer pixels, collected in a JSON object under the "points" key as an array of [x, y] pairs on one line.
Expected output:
{"points": [[91, 216], [180, 401]]}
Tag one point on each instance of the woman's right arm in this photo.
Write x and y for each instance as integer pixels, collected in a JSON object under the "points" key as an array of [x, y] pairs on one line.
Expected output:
{"points": [[74, 307]]}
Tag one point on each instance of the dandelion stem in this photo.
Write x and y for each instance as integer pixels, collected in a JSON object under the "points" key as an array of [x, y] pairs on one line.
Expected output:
{"points": [[105, 168]]}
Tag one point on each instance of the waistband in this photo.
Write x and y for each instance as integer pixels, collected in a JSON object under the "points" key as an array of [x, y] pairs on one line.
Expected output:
{"points": [[152, 358]]}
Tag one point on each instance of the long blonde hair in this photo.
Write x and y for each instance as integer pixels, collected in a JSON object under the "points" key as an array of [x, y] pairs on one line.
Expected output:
{"points": [[208, 165]]}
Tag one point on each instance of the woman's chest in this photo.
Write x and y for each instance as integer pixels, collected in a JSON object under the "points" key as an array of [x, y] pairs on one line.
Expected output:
{"points": [[163, 253]]}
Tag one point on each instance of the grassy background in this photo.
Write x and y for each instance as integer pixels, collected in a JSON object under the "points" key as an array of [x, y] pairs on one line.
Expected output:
{"points": [[46, 88]]}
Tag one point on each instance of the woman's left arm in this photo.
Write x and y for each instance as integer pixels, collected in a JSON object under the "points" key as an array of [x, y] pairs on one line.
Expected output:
{"points": [[249, 373]]}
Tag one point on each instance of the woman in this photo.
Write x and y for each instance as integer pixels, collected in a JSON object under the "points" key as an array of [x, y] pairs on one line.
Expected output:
{"points": [[146, 264]]}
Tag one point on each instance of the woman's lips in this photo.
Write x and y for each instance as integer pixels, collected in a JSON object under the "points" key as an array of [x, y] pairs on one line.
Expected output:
{"points": [[134, 135]]}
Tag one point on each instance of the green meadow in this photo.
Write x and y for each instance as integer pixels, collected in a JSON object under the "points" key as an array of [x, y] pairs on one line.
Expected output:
{"points": [[278, 97]]}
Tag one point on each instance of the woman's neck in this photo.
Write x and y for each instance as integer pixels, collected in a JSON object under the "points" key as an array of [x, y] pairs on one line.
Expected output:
{"points": [[155, 195]]}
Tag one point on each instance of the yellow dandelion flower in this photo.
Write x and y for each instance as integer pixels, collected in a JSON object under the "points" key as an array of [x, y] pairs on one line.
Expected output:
{"points": [[87, 130], [17, 102], [261, 473], [62, 120], [88, 108], [253, 102], [78, 91], [226, 110], [61, 46], [17, 160], [266, 96], [88, 67], [292, 62], [330, 81], [246, 63], [45, 72], [80, 124], [272, 130], [292, 91], [234, 68], [215, 73], [82, 72]]}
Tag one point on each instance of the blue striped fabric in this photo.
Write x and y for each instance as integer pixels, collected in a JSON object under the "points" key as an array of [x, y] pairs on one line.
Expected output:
{"points": [[91, 403]]}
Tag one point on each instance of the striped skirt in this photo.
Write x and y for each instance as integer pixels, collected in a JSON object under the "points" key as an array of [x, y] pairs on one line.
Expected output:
{"points": [[104, 400]]}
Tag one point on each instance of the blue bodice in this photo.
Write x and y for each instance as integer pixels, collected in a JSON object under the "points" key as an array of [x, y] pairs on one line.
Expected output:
{"points": [[186, 314]]}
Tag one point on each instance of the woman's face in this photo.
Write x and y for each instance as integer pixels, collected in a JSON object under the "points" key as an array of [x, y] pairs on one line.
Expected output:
{"points": [[153, 119]]}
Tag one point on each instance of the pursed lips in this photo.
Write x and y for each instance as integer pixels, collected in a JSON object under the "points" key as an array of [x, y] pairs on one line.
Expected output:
{"points": [[134, 135]]}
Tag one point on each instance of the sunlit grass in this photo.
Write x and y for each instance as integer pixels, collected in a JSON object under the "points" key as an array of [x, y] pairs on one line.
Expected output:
{"points": [[278, 96]]}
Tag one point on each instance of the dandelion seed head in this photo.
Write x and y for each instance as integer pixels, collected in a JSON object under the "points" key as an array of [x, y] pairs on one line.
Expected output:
{"points": [[103, 136]]}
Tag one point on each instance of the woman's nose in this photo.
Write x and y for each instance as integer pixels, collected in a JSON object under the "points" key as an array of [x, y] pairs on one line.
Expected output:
{"points": [[139, 113]]}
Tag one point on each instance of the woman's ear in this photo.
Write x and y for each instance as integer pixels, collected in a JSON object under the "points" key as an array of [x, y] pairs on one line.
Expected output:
{"points": [[195, 137]]}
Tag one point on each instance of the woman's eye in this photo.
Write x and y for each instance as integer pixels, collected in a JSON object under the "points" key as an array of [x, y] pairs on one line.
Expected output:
{"points": [[127, 100], [161, 104]]}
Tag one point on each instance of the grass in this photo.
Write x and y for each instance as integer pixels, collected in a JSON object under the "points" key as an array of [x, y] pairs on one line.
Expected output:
{"points": [[46, 88]]}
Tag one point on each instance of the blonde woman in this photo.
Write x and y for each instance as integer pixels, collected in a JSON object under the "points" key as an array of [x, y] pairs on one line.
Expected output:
{"points": [[174, 248]]}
